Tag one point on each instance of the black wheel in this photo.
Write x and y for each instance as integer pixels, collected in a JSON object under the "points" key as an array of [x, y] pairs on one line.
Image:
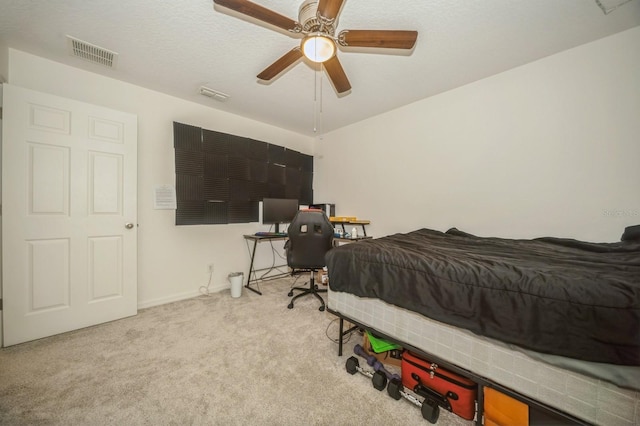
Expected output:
{"points": [[379, 380], [290, 306], [430, 410], [394, 388], [290, 293], [352, 365], [321, 308]]}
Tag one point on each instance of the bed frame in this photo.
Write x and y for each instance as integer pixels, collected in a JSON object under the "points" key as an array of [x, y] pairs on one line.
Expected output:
{"points": [[555, 394]]}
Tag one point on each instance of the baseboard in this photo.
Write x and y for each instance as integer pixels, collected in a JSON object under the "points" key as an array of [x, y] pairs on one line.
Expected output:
{"points": [[178, 297]]}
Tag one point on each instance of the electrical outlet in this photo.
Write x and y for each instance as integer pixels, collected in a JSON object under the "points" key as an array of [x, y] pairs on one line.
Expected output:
{"points": [[211, 268]]}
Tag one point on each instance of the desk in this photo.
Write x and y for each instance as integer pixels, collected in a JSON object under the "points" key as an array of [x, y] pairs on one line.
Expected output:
{"points": [[361, 223], [252, 272], [350, 239], [251, 275]]}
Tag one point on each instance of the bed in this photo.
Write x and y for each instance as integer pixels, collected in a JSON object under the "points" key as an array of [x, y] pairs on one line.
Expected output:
{"points": [[555, 320]]}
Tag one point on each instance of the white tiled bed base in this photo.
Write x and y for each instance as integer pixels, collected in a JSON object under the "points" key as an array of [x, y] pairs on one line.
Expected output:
{"points": [[592, 400]]}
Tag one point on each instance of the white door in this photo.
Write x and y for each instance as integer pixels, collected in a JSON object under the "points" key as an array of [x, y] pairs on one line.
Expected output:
{"points": [[68, 215]]}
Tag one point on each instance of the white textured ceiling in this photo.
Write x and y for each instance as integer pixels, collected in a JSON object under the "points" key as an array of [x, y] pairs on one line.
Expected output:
{"points": [[176, 46]]}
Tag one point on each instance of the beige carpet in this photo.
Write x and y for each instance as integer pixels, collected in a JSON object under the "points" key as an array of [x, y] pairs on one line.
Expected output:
{"points": [[209, 360]]}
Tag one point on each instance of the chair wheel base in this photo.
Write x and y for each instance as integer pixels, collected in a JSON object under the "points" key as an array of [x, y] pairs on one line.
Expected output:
{"points": [[312, 289]]}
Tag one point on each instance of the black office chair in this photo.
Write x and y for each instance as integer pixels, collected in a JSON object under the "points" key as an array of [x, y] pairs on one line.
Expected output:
{"points": [[310, 238]]}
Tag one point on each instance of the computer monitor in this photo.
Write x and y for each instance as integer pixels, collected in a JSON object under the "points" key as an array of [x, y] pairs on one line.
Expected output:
{"points": [[278, 210]]}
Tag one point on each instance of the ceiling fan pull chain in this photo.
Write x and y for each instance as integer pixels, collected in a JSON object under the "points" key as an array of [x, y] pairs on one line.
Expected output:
{"points": [[315, 100], [321, 110]]}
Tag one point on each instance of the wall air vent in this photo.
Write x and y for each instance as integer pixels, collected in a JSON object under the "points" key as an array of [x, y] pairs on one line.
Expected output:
{"points": [[92, 53]]}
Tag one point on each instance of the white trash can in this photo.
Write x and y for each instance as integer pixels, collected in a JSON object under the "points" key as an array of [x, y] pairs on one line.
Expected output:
{"points": [[236, 278]]}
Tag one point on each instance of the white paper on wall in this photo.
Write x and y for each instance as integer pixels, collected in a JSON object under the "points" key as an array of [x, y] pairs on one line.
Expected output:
{"points": [[164, 197]]}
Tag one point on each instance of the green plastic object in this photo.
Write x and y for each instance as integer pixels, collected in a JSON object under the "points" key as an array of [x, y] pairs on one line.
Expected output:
{"points": [[380, 345]]}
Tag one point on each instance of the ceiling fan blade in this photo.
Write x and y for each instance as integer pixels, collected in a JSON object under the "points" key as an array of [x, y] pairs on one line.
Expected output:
{"points": [[337, 75], [390, 39], [281, 64], [260, 13], [329, 9]]}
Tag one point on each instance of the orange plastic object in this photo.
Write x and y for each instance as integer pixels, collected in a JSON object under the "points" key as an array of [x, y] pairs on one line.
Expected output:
{"points": [[502, 410]]}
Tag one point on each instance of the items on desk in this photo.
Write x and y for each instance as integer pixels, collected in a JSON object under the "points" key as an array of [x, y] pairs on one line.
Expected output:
{"points": [[341, 221], [270, 234], [279, 211], [327, 208], [342, 218]]}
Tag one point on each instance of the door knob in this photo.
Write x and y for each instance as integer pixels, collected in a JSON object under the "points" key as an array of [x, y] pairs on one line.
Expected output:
{"points": [[129, 225]]}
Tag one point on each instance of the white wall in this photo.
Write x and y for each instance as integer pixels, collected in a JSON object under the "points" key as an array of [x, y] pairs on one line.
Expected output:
{"points": [[172, 260], [1, 316], [4, 63], [549, 148]]}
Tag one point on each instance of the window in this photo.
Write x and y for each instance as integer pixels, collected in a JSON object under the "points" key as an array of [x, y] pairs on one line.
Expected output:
{"points": [[221, 178]]}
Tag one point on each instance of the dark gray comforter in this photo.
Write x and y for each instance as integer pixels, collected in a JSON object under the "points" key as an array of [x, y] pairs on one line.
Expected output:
{"points": [[551, 295]]}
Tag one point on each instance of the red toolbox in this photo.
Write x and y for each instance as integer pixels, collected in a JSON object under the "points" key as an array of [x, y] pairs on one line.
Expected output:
{"points": [[437, 385]]}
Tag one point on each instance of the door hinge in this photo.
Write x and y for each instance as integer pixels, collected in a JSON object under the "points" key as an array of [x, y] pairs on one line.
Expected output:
{"points": [[0, 304]]}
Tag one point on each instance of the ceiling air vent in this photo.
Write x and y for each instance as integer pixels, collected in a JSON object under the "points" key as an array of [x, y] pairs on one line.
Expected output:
{"points": [[210, 93], [609, 6], [91, 52]]}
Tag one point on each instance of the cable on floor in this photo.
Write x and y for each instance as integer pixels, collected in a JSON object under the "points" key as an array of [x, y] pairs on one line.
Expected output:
{"points": [[346, 337]]}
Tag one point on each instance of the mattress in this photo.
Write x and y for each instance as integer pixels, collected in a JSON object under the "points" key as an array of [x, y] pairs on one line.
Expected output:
{"points": [[592, 399], [557, 296]]}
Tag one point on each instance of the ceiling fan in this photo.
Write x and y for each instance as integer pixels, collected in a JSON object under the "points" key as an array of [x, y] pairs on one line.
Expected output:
{"points": [[317, 21]]}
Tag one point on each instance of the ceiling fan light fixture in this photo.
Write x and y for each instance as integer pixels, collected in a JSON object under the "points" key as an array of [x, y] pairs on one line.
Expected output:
{"points": [[318, 47]]}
